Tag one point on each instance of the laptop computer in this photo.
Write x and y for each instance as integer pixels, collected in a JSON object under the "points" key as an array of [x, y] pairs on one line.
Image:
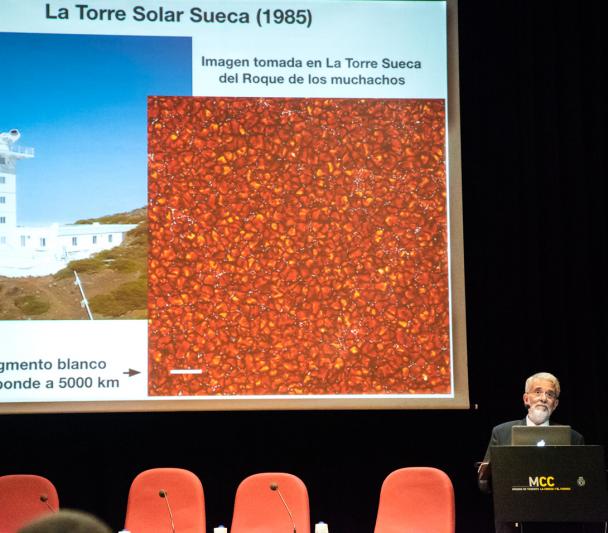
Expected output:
{"points": [[541, 436]]}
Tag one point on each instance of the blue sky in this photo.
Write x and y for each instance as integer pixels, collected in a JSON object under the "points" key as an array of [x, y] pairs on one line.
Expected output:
{"points": [[80, 102]]}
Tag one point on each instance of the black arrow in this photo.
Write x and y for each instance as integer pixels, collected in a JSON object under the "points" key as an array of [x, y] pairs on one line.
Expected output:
{"points": [[132, 372]]}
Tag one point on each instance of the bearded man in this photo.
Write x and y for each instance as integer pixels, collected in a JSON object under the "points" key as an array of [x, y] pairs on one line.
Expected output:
{"points": [[541, 397]]}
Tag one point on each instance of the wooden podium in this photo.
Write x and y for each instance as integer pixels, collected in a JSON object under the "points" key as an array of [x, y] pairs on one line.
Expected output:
{"points": [[549, 484]]}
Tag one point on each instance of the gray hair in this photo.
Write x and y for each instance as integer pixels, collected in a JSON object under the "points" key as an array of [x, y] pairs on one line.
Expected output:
{"points": [[543, 375]]}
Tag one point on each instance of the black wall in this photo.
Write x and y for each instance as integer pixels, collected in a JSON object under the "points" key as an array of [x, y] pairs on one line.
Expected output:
{"points": [[533, 115]]}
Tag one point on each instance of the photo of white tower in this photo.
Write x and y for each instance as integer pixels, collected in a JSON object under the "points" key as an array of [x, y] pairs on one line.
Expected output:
{"points": [[9, 154], [44, 250]]}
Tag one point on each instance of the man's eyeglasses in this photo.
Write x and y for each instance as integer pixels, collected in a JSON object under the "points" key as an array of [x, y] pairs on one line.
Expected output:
{"points": [[549, 394]]}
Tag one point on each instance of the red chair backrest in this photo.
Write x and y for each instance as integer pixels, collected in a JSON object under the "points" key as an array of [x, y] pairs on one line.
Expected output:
{"points": [[416, 500], [259, 509], [147, 511], [21, 500]]}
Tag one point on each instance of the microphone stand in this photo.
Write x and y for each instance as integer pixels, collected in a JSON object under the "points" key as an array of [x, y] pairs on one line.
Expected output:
{"points": [[163, 494], [275, 487]]}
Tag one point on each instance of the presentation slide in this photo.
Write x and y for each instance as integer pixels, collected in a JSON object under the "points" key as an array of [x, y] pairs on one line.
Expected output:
{"points": [[230, 205]]}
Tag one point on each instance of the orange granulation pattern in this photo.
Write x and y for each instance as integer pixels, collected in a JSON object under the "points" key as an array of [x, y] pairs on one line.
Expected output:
{"points": [[298, 246]]}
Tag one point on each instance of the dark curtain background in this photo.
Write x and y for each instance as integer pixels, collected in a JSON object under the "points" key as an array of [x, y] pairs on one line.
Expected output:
{"points": [[533, 115]]}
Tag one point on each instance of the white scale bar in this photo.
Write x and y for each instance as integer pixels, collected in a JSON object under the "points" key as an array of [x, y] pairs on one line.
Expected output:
{"points": [[186, 371]]}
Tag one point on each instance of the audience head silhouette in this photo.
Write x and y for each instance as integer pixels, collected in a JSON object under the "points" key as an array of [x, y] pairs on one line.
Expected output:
{"points": [[65, 521]]}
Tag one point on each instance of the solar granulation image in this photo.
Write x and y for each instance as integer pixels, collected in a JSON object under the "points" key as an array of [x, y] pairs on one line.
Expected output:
{"points": [[297, 247]]}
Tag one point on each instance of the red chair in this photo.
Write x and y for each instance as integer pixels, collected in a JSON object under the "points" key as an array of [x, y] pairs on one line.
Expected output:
{"points": [[259, 505], [416, 500], [23, 498], [165, 500]]}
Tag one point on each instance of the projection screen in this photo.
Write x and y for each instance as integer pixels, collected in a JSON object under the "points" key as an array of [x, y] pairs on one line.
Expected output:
{"points": [[230, 205]]}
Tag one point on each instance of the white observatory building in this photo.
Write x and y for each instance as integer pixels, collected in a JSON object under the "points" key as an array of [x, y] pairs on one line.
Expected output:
{"points": [[40, 251]]}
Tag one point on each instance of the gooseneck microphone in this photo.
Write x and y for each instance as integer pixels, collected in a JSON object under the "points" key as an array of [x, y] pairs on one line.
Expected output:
{"points": [[164, 494], [275, 487], [45, 499]]}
